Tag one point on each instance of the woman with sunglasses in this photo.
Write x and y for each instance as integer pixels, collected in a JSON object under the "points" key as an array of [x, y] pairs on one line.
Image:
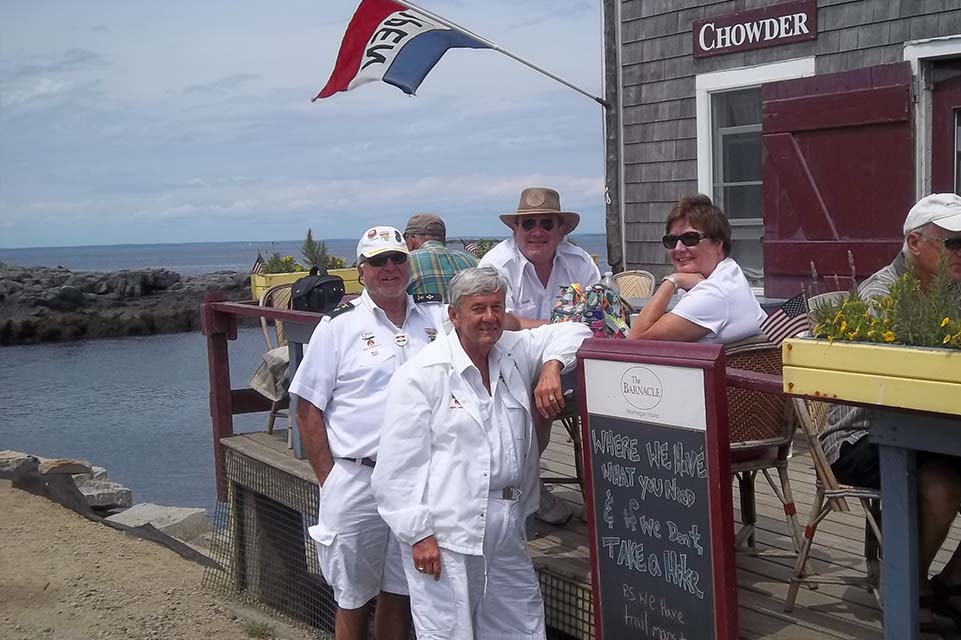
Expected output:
{"points": [[716, 303]]}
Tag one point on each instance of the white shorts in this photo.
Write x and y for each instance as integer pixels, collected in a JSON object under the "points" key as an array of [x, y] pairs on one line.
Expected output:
{"points": [[358, 554], [460, 605]]}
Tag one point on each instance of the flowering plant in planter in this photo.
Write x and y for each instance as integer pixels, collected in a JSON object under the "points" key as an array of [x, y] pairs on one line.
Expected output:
{"points": [[908, 315]]}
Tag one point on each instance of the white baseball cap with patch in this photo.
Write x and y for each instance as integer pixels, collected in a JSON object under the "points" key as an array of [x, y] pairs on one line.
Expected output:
{"points": [[380, 240], [943, 209]]}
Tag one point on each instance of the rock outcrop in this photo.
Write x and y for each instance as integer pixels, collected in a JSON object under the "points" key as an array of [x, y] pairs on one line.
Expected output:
{"points": [[41, 304]]}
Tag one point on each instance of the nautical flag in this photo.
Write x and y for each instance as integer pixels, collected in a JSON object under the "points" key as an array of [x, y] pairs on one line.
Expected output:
{"points": [[788, 321], [387, 41], [259, 264]]}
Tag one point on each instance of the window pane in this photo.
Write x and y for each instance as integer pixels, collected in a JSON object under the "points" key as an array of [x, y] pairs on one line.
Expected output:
{"points": [[737, 108], [742, 201], [748, 255], [742, 157]]}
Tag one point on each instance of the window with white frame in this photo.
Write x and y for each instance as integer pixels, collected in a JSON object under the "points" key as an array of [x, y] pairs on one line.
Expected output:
{"points": [[729, 150], [736, 150]]}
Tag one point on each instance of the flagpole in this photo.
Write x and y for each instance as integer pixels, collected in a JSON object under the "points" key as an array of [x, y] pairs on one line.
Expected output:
{"points": [[495, 47]]}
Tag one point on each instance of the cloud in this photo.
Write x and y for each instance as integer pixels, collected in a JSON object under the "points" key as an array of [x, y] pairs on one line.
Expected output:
{"points": [[223, 85], [42, 88], [68, 61], [100, 28]]}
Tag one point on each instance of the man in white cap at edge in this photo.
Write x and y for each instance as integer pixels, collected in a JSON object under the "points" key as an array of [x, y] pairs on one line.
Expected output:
{"points": [[932, 232], [341, 389]]}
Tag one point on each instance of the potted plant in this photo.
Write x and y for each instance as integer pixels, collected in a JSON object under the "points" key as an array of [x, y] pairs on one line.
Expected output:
{"points": [[277, 269], [899, 350]]}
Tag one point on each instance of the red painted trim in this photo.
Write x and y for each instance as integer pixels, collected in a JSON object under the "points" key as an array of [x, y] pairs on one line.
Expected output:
{"points": [[722, 501], [710, 359], [835, 110], [217, 327], [946, 98], [589, 491]]}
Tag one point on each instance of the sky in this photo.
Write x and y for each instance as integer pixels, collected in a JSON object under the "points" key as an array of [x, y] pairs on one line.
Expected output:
{"points": [[135, 122]]}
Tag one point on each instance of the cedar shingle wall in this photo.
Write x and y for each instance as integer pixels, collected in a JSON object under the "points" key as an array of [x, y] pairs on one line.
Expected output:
{"points": [[660, 148]]}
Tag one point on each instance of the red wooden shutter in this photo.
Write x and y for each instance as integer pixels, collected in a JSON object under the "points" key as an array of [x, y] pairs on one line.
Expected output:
{"points": [[838, 170]]}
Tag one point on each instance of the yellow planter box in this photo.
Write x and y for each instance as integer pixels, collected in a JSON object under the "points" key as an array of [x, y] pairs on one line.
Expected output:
{"points": [[260, 282], [889, 375]]}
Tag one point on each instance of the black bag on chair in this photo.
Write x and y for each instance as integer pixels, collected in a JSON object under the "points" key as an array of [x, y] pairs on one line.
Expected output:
{"points": [[319, 292]]}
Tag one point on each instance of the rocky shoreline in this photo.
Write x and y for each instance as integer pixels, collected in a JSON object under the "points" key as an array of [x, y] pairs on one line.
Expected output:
{"points": [[44, 304]]}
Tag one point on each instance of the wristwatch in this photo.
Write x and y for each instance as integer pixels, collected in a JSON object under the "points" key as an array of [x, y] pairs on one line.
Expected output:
{"points": [[672, 281]]}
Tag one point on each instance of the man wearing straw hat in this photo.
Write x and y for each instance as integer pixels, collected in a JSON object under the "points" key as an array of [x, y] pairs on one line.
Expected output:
{"points": [[537, 261]]}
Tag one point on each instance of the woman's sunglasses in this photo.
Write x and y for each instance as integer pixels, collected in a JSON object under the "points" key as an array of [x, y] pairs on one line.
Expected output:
{"points": [[688, 239], [381, 259], [951, 244], [547, 224]]}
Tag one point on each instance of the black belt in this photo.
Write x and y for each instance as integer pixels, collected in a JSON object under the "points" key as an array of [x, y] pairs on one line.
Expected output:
{"points": [[367, 462]]}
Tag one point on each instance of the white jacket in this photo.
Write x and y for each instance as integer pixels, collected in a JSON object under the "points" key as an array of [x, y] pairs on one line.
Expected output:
{"points": [[433, 461]]}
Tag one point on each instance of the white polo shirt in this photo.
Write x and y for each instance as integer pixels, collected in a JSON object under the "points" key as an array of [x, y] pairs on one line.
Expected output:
{"points": [[724, 304], [348, 363], [527, 297]]}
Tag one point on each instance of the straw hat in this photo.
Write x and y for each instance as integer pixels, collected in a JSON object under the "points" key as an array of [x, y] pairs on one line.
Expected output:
{"points": [[540, 201]]}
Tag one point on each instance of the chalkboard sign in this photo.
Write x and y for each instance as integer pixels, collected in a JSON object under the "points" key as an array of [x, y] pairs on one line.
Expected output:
{"points": [[660, 517]]}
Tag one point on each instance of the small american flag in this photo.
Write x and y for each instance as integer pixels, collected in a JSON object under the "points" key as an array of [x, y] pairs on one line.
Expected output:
{"points": [[788, 321], [471, 248], [259, 264]]}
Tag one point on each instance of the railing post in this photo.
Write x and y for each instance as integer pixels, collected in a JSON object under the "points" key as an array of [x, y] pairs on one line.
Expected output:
{"points": [[218, 327]]}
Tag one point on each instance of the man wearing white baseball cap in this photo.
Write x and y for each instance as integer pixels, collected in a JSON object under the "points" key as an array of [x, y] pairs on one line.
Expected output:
{"points": [[341, 389], [932, 231]]}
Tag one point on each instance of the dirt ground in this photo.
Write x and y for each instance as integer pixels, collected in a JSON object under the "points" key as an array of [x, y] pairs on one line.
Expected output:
{"points": [[65, 577]]}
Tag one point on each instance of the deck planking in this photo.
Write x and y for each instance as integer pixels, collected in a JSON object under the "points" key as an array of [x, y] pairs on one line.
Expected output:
{"points": [[831, 612]]}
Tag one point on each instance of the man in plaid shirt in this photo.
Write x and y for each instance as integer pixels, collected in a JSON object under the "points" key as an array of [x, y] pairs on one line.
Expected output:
{"points": [[432, 264], [932, 230]]}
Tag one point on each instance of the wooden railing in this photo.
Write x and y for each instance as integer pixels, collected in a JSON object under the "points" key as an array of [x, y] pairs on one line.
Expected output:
{"points": [[218, 322]]}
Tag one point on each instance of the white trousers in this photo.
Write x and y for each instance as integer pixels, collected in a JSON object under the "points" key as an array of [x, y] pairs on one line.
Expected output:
{"points": [[358, 554], [491, 597]]}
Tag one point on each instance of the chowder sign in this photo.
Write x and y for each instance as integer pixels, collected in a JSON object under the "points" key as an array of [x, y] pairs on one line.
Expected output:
{"points": [[767, 27], [641, 388]]}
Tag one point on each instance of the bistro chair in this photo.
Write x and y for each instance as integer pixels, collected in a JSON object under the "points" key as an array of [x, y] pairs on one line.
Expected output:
{"points": [[570, 417], [762, 427], [831, 497], [276, 297], [634, 284]]}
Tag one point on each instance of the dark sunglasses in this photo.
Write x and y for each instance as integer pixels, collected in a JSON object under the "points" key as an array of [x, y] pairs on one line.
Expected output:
{"points": [[547, 224], [381, 259], [688, 239], [951, 244]]}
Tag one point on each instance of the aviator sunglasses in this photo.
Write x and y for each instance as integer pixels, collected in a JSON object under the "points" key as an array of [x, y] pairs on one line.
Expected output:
{"points": [[951, 244], [381, 259], [688, 239], [547, 224]]}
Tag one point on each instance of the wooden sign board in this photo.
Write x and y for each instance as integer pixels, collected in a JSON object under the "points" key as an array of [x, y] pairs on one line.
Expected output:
{"points": [[658, 490], [755, 29]]}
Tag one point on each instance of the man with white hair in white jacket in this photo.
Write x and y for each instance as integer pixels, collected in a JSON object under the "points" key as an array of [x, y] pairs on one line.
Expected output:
{"points": [[457, 471]]}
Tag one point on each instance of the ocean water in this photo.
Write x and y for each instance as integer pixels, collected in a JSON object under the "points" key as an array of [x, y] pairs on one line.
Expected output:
{"points": [[138, 406], [196, 258]]}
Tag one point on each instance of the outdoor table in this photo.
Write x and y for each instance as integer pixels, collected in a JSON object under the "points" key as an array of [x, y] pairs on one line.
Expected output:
{"points": [[899, 435], [915, 396]]}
